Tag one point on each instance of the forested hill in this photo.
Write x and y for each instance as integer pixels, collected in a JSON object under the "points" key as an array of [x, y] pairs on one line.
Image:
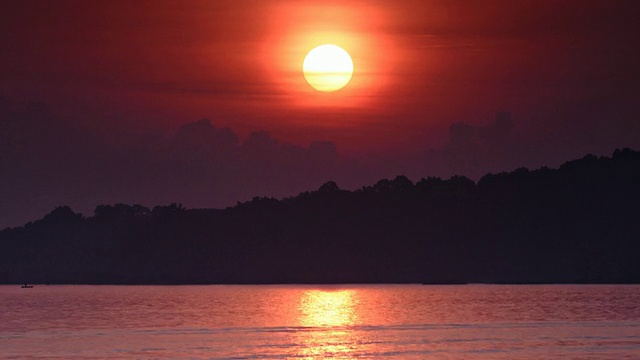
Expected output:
{"points": [[576, 224]]}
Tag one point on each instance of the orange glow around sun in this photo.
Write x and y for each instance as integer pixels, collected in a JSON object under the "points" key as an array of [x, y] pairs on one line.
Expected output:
{"points": [[297, 28]]}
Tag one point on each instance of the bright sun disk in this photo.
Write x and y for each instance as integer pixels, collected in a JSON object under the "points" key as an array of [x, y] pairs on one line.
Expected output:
{"points": [[328, 68]]}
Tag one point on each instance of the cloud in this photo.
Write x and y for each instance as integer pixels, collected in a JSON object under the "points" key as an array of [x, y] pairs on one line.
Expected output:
{"points": [[47, 162], [474, 149], [465, 136], [202, 142]]}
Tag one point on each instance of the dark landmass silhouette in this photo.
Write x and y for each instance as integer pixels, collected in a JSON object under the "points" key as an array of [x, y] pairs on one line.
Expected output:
{"points": [[575, 224]]}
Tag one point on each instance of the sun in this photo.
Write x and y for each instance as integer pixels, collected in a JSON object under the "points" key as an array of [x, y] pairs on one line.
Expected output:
{"points": [[328, 68]]}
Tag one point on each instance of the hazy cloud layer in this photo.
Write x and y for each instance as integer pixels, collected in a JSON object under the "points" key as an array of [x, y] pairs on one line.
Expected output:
{"points": [[45, 161]]}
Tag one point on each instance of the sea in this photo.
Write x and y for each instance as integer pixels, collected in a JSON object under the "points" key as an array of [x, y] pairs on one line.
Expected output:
{"points": [[321, 321]]}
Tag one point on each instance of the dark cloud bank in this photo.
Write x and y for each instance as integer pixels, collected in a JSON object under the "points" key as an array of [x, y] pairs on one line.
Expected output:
{"points": [[46, 161]]}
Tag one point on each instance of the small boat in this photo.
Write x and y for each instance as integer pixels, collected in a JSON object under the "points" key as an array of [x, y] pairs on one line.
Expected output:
{"points": [[25, 286]]}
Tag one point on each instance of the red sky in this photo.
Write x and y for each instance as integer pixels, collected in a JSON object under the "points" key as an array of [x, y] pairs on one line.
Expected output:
{"points": [[118, 72]]}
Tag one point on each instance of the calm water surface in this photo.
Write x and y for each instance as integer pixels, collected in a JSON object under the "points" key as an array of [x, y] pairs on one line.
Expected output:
{"points": [[384, 321]]}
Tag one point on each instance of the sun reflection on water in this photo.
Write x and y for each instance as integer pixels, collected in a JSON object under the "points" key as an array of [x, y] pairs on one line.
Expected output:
{"points": [[329, 316], [327, 308]]}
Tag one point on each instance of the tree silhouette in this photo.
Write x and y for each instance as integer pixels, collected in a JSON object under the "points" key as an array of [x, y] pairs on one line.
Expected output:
{"points": [[577, 224]]}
